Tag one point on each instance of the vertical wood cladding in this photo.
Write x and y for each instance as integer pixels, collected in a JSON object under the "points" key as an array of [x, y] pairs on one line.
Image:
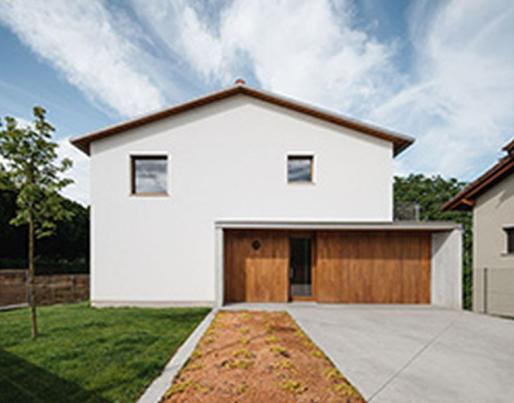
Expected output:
{"points": [[373, 267], [256, 266], [348, 266]]}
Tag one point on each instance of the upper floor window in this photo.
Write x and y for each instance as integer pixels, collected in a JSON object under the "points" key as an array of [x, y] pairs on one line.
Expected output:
{"points": [[299, 168], [149, 175], [510, 239]]}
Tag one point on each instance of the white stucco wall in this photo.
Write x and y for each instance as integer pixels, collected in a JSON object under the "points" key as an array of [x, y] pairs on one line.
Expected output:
{"points": [[447, 269], [226, 160]]}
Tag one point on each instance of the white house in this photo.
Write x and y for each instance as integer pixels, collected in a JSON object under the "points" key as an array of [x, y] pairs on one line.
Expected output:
{"points": [[243, 195]]}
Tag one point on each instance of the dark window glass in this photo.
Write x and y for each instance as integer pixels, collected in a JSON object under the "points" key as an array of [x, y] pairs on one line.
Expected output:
{"points": [[300, 267], [299, 168], [510, 239], [149, 175]]}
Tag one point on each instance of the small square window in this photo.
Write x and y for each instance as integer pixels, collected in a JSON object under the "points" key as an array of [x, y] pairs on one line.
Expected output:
{"points": [[299, 168], [149, 175], [510, 239]]}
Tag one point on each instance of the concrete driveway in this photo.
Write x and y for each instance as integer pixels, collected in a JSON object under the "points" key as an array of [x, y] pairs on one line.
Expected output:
{"points": [[415, 354], [412, 353]]}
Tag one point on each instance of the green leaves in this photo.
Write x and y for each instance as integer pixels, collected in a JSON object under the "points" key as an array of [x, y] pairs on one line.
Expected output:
{"points": [[29, 165]]}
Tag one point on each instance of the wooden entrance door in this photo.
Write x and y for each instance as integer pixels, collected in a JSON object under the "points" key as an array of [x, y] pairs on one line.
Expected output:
{"points": [[256, 266]]}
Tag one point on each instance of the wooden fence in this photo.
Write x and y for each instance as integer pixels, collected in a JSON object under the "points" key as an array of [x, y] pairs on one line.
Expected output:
{"points": [[50, 289]]}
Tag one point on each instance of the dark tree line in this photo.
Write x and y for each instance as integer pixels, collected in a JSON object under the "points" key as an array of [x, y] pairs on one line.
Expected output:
{"points": [[66, 251]]}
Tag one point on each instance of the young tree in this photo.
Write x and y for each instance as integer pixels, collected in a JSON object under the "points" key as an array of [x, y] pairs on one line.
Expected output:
{"points": [[29, 159]]}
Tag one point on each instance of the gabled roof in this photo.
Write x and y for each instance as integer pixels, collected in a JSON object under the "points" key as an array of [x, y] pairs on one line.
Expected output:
{"points": [[400, 142], [465, 200], [509, 147]]}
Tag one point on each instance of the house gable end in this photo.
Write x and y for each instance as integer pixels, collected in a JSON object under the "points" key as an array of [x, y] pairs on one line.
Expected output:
{"points": [[399, 142]]}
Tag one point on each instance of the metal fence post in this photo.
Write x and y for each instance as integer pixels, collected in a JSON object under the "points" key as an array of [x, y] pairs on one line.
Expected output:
{"points": [[485, 289]]}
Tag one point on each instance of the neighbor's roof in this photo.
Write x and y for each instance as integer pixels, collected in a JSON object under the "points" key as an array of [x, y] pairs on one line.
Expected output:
{"points": [[465, 200], [400, 142]]}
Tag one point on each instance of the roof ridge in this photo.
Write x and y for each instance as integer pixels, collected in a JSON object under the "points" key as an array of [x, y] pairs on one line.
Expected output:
{"points": [[400, 141], [509, 147]]}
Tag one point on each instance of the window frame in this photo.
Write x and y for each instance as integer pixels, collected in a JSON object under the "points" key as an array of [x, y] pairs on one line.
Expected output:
{"points": [[301, 156], [147, 156], [509, 244]]}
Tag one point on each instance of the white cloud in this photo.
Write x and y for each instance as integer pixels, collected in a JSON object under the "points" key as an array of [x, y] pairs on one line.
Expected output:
{"points": [[306, 49], [98, 51], [460, 100], [21, 123], [79, 172], [457, 100], [24, 123]]}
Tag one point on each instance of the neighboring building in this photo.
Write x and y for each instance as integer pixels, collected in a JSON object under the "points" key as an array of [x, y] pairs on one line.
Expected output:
{"points": [[243, 195], [491, 198]]}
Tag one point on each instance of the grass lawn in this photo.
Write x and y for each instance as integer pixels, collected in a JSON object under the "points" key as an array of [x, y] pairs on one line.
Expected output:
{"points": [[88, 355]]}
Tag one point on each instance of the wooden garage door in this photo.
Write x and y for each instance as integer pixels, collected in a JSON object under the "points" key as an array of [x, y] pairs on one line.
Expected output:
{"points": [[373, 267], [256, 266]]}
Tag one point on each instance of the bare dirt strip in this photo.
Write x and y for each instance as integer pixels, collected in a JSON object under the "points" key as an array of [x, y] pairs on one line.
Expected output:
{"points": [[250, 356]]}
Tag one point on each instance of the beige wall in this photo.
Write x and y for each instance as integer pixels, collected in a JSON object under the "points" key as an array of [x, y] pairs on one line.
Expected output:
{"points": [[493, 211]]}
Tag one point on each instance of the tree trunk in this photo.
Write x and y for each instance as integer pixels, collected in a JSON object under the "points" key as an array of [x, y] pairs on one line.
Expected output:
{"points": [[32, 288]]}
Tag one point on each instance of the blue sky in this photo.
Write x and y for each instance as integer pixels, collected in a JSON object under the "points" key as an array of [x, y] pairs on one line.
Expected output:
{"points": [[440, 71]]}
